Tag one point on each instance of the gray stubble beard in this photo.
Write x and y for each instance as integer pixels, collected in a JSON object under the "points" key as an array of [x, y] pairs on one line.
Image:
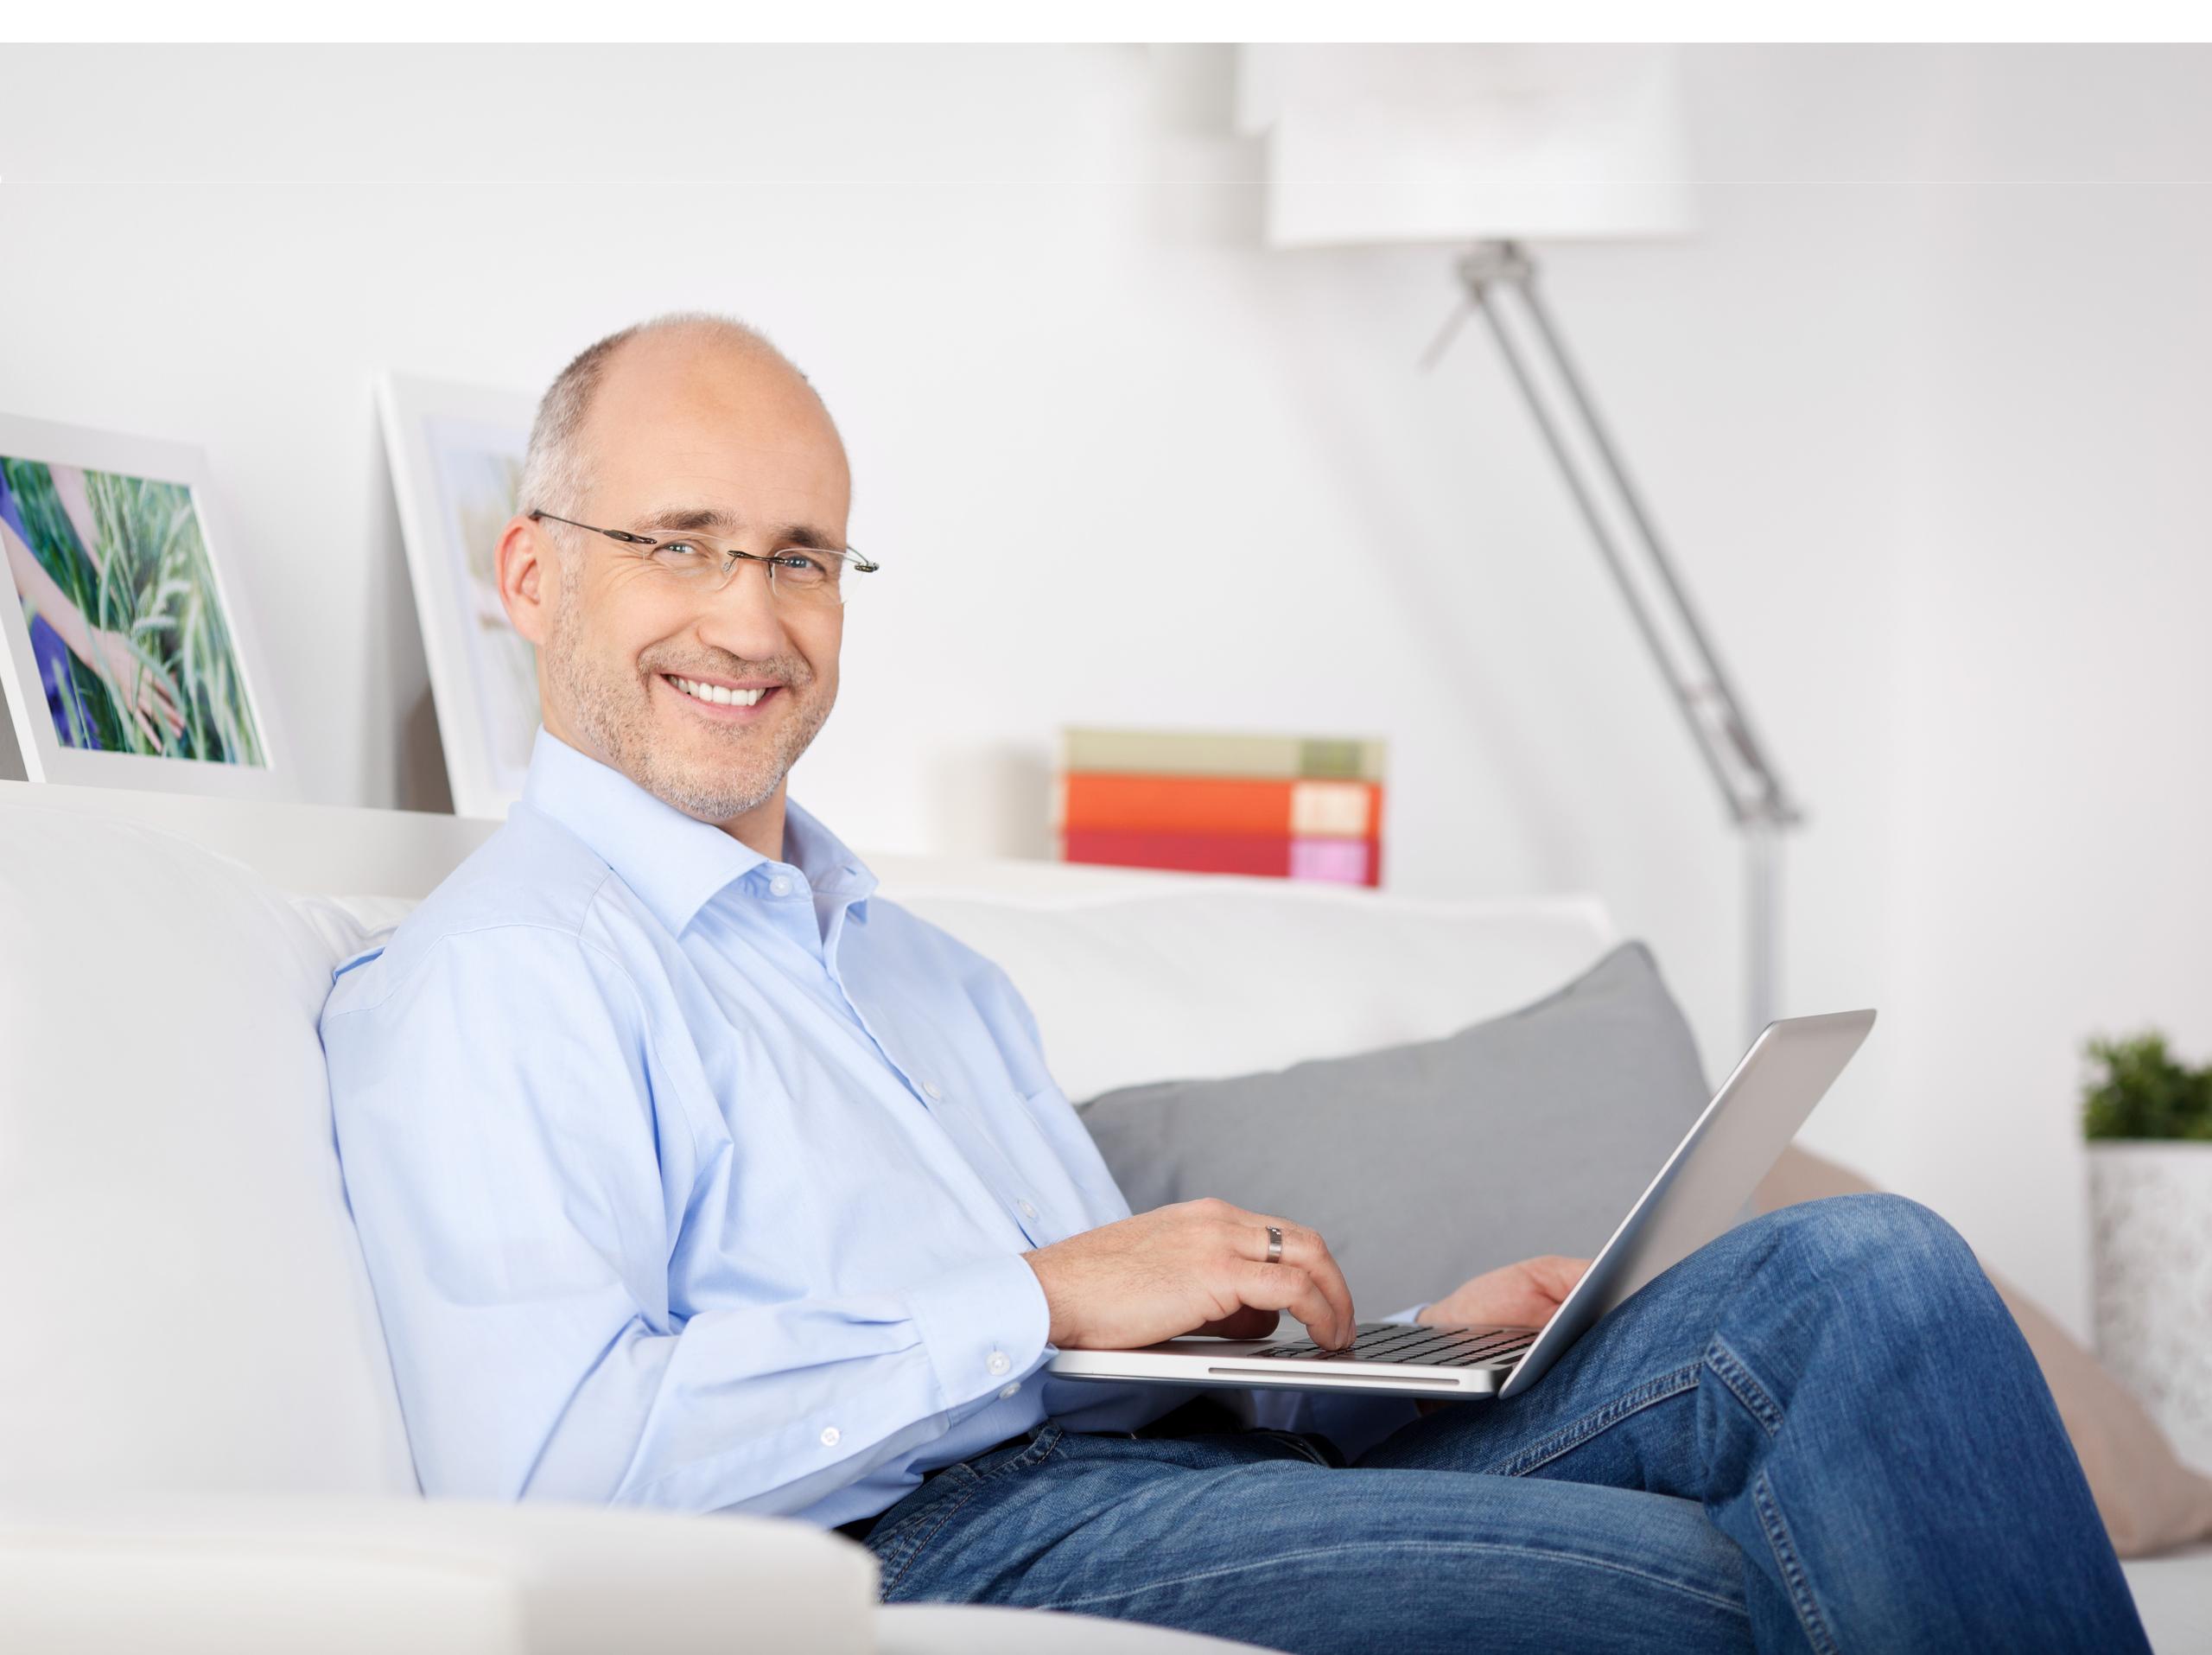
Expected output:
{"points": [[616, 713]]}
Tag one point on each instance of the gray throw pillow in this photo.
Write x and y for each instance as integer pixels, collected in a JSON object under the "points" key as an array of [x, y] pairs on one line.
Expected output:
{"points": [[1424, 1164]]}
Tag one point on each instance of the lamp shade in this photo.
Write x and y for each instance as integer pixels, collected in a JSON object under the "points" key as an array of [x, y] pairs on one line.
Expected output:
{"points": [[1459, 144]]}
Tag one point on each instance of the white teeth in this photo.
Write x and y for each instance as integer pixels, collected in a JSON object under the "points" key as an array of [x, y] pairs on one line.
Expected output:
{"points": [[717, 694]]}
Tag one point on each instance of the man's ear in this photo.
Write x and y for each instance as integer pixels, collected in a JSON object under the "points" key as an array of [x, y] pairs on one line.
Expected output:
{"points": [[526, 573]]}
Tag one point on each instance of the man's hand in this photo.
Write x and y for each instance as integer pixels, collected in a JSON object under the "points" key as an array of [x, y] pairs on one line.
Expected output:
{"points": [[148, 696], [1197, 1267], [1518, 1296]]}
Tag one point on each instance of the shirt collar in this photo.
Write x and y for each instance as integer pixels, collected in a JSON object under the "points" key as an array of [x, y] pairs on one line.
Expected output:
{"points": [[675, 862]]}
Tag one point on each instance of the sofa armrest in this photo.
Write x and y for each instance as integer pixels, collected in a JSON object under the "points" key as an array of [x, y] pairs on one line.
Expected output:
{"points": [[161, 1574]]}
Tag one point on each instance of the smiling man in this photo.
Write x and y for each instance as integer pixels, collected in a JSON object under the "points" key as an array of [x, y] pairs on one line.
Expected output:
{"points": [[691, 1174], [705, 706]]}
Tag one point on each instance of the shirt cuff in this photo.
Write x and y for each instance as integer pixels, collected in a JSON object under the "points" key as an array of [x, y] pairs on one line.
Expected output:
{"points": [[984, 1326]]}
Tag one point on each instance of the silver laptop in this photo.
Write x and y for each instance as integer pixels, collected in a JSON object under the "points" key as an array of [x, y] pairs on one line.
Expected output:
{"points": [[1700, 1193]]}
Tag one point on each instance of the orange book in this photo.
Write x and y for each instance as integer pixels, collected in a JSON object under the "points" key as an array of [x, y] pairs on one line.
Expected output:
{"points": [[1122, 801]]}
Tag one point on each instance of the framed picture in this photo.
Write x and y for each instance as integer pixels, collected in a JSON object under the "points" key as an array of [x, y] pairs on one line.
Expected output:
{"points": [[129, 654], [456, 455]]}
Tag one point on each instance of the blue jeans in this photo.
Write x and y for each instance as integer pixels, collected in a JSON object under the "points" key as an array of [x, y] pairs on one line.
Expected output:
{"points": [[1821, 1431]]}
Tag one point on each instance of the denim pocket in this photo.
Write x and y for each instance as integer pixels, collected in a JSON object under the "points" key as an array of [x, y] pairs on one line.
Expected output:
{"points": [[897, 1545], [1020, 1457], [949, 1491]]}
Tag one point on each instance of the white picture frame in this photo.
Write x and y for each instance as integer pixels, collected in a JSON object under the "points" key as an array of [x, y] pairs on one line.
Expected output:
{"points": [[449, 446], [210, 722]]}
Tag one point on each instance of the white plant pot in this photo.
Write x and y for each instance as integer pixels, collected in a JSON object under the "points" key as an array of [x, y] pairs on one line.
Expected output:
{"points": [[2150, 1225]]}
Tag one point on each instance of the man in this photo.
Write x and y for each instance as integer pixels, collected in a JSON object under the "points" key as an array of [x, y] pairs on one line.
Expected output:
{"points": [[692, 1174]]}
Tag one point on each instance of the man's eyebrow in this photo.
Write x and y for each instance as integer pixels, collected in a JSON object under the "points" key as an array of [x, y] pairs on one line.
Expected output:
{"points": [[714, 520]]}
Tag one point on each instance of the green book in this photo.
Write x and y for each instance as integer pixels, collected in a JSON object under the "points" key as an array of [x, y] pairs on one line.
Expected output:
{"points": [[1164, 752]]}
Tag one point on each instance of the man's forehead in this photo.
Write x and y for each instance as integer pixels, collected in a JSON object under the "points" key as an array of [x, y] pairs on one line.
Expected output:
{"points": [[718, 442], [686, 375], [710, 481], [696, 429]]}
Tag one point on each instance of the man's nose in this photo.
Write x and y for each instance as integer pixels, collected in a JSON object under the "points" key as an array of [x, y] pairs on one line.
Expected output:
{"points": [[743, 617]]}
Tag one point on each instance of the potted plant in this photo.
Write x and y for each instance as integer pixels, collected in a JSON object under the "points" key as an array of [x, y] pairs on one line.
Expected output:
{"points": [[2148, 1120]]}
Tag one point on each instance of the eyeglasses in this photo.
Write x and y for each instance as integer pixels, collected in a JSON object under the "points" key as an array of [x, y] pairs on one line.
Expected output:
{"points": [[703, 563]]}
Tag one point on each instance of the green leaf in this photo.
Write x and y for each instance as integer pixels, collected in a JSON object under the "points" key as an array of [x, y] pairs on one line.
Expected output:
{"points": [[2138, 1089]]}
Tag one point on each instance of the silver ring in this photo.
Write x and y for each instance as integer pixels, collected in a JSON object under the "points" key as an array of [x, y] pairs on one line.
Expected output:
{"points": [[1275, 1245]]}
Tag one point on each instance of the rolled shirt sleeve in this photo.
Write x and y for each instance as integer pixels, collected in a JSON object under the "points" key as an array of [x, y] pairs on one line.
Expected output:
{"points": [[519, 1203]]}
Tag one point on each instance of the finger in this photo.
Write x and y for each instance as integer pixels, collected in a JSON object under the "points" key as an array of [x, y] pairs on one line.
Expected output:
{"points": [[1557, 1274], [133, 695], [1243, 1323], [1285, 1286], [145, 723], [152, 705], [1246, 1233], [1305, 1249]]}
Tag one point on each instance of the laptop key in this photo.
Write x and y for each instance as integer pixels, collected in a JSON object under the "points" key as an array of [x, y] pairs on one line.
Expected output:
{"points": [[1411, 1344], [1501, 1351]]}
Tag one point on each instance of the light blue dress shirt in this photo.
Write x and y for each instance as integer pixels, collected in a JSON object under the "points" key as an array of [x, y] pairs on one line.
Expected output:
{"points": [[691, 1178]]}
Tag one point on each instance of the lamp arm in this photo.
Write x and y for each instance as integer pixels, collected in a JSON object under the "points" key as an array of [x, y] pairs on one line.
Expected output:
{"points": [[1737, 719], [1733, 753], [1752, 791], [1685, 692]]}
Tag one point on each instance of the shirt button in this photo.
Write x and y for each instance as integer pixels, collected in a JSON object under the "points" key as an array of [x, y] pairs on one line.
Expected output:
{"points": [[997, 1362], [1010, 1390], [932, 1087], [829, 1436], [1027, 1210], [780, 886]]}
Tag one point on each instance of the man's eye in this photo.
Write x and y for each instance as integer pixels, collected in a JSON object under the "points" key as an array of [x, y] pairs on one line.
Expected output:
{"points": [[677, 550]]}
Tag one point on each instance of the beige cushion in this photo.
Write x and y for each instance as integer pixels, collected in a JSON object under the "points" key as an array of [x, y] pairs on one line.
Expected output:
{"points": [[2150, 1501]]}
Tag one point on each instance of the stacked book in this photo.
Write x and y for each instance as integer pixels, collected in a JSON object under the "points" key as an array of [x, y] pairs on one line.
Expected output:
{"points": [[1293, 806]]}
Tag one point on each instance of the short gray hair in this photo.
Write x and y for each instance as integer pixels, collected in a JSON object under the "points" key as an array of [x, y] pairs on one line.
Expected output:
{"points": [[556, 470]]}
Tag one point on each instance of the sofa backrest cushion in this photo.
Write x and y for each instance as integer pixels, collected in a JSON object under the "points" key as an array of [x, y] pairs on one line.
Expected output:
{"points": [[1426, 1163], [1198, 978], [184, 1297], [1178, 976]]}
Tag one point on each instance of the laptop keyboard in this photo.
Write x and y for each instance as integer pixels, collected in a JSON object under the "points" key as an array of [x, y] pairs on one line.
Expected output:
{"points": [[1417, 1344]]}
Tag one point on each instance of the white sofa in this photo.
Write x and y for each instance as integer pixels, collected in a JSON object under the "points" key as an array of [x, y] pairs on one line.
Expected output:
{"points": [[200, 1444]]}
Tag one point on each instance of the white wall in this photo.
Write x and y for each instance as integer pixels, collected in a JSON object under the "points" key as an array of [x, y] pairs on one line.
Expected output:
{"points": [[1924, 432], [2053, 773]]}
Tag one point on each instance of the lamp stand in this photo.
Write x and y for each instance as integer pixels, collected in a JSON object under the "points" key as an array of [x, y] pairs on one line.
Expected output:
{"points": [[1500, 280]]}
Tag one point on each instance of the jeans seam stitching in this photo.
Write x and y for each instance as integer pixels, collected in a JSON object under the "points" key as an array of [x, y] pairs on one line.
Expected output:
{"points": [[1742, 1383], [1046, 1443], [1040, 1448], [1455, 1546], [888, 1537], [913, 1547], [1784, 1548], [1570, 1437]]}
